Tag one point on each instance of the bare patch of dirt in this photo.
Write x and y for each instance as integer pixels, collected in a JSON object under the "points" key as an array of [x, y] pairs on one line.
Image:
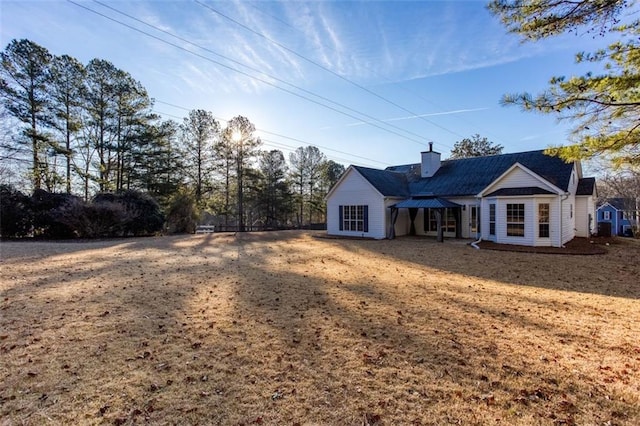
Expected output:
{"points": [[284, 328]]}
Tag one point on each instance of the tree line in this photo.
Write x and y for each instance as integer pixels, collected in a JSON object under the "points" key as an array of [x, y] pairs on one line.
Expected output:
{"points": [[89, 129]]}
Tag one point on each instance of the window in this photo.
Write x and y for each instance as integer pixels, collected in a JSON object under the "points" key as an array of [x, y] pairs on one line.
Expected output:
{"points": [[543, 220], [354, 218], [606, 215], [448, 221], [432, 226], [515, 220], [475, 219], [571, 210], [492, 219]]}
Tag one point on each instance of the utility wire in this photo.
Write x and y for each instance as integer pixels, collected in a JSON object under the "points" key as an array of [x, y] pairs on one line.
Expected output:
{"points": [[260, 71], [419, 141], [311, 61], [395, 83], [293, 148]]}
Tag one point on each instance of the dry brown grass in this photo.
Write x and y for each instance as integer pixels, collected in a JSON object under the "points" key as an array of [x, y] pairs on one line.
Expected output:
{"points": [[285, 328]]}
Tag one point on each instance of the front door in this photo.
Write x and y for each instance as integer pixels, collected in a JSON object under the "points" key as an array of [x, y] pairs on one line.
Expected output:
{"points": [[474, 221]]}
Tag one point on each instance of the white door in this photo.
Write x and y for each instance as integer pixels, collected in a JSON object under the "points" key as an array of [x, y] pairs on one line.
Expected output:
{"points": [[474, 221]]}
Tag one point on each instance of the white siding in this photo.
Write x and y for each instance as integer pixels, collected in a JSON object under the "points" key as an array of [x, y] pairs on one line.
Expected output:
{"points": [[518, 178], [531, 236], [466, 215], [501, 221], [568, 218], [553, 239], [355, 190], [585, 216]]}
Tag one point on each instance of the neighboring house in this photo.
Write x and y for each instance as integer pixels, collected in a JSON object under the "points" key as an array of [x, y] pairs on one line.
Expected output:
{"points": [[620, 214], [526, 198]]}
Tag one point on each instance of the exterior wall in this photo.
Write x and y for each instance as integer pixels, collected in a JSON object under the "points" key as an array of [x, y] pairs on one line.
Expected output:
{"points": [[355, 190], [585, 216], [531, 235], [613, 220], [465, 219], [402, 223], [518, 178], [568, 218], [618, 224]]}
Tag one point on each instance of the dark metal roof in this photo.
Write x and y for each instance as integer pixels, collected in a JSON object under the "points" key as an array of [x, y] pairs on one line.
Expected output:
{"points": [[469, 176], [586, 186], [388, 183], [427, 203], [512, 192], [466, 176]]}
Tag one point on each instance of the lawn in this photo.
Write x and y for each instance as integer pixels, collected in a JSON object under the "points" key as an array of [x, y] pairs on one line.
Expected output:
{"points": [[287, 328]]}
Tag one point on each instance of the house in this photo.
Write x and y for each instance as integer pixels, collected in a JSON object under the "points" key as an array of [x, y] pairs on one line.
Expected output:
{"points": [[617, 216], [526, 198]]}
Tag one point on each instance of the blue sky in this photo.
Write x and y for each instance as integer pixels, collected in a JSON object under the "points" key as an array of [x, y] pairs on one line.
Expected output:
{"points": [[392, 76]]}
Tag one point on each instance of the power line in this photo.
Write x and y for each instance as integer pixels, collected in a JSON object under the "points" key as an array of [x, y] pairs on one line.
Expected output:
{"points": [[419, 141], [404, 89], [322, 67], [279, 135]]}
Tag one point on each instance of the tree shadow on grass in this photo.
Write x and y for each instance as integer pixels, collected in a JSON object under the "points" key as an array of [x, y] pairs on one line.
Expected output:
{"points": [[612, 274], [263, 330]]}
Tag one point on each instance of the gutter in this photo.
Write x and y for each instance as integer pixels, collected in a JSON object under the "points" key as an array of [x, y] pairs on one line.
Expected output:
{"points": [[475, 243]]}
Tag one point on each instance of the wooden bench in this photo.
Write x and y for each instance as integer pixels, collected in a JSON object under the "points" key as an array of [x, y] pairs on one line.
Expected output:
{"points": [[205, 229]]}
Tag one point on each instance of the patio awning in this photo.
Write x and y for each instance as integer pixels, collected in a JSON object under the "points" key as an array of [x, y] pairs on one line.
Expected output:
{"points": [[427, 203]]}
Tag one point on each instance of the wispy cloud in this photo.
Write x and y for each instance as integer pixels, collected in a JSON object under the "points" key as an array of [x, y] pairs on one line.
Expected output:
{"points": [[410, 117]]}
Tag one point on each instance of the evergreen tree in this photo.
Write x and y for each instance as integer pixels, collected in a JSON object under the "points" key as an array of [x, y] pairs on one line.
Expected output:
{"points": [[199, 133], [243, 146], [605, 106], [67, 79], [24, 82]]}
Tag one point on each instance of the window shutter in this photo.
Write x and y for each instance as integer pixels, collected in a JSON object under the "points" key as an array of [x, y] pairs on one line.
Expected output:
{"points": [[366, 219], [340, 221]]}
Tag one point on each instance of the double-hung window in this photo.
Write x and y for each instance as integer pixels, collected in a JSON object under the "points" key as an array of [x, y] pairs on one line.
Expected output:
{"points": [[543, 220], [515, 220], [606, 215], [492, 219], [354, 218]]}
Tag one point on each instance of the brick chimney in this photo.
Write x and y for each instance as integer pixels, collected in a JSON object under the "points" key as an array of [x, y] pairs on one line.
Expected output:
{"points": [[430, 162]]}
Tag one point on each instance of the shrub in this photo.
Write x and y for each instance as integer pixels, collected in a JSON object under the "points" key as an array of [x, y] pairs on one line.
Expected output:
{"points": [[54, 215], [182, 214], [139, 214], [16, 214]]}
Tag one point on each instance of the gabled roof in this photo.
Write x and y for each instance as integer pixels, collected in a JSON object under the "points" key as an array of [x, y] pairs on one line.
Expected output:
{"points": [[388, 183], [469, 176], [619, 203], [586, 186]]}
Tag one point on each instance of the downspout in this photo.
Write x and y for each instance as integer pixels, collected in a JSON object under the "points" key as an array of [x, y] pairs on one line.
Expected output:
{"points": [[566, 195], [475, 243]]}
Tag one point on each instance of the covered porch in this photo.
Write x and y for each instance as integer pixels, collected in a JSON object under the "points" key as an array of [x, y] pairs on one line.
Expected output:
{"points": [[437, 211]]}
